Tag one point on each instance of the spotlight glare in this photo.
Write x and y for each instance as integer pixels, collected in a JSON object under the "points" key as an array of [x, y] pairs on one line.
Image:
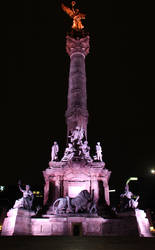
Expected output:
{"points": [[152, 171]]}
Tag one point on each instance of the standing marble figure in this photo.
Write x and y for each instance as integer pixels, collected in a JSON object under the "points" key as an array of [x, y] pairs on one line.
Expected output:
{"points": [[77, 135], [54, 151], [99, 151]]}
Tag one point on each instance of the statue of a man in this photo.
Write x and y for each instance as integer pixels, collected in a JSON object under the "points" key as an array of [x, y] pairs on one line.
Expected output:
{"points": [[69, 153], [77, 135], [81, 134], [54, 151], [86, 151], [128, 193], [99, 151], [27, 199], [130, 201], [85, 148]]}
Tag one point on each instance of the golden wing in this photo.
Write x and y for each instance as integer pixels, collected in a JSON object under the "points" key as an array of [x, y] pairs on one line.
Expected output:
{"points": [[67, 10]]}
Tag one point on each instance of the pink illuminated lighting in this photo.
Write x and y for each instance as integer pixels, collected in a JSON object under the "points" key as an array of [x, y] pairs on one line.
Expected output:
{"points": [[75, 190]]}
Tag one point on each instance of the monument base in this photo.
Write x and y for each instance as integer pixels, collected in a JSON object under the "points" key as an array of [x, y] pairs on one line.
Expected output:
{"points": [[17, 222], [21, 222], [143, 223], [85, 225], [67, 225]]}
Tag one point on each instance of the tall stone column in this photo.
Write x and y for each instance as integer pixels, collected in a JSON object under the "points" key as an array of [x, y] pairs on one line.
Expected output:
{"points": [[46, 189], [94, 186], [77, 113], [57, 188], [106, 192]]}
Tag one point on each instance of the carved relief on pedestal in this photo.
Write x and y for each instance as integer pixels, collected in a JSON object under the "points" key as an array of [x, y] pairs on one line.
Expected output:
{"points": [[93, 227]]}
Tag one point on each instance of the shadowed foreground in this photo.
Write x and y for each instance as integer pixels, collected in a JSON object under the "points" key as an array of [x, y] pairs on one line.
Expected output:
{"points": [[76, 243]]}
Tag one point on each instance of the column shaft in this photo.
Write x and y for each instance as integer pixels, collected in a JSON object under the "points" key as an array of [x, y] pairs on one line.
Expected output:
{"points": [[76, 113]]}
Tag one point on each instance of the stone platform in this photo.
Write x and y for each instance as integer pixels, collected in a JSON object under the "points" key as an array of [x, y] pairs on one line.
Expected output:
{"points": [[67, 225], [17, 222], [21, 222], [85, 225]]}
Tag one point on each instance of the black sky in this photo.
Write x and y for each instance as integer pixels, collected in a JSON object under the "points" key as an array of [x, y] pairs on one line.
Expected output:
{"points": [[120, 87]]}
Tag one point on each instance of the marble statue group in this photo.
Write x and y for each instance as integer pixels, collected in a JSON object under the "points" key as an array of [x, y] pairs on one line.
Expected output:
{"points": [[77, 148]]}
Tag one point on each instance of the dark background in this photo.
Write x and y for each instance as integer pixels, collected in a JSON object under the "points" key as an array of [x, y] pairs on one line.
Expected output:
{"points": [[120, 88]]}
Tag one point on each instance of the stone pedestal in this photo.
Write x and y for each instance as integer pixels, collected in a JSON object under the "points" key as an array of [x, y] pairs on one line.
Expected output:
{"points": [[61, 225], [143, 223], [75, 176], [20, 222], [17, 222], [65, 225]]}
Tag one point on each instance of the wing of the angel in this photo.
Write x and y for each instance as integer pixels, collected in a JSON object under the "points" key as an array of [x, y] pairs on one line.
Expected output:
{"points": [[67, 10]]}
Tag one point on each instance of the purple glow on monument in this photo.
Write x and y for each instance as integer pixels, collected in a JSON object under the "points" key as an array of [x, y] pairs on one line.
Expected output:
{"points": [[143, 223]]}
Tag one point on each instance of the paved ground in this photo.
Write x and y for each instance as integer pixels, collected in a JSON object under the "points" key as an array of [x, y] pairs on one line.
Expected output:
{"points": [[76, 243]]}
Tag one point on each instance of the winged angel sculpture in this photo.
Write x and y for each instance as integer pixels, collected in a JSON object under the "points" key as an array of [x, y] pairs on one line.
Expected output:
{"points": [[76, 15]]}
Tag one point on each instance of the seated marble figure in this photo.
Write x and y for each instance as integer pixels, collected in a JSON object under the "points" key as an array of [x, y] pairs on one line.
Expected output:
{"points": [[27, 200], [128, 200]]}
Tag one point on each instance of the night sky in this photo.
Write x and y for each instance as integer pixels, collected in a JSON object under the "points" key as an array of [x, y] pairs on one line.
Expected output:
{"points": [[120, 89]]}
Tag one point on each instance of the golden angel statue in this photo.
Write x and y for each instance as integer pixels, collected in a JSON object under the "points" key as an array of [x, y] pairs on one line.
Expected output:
{"points": [[76, 15]]}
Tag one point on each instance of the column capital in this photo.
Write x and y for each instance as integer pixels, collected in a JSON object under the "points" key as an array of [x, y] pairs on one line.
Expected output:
{"points": [[77, 46]]}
